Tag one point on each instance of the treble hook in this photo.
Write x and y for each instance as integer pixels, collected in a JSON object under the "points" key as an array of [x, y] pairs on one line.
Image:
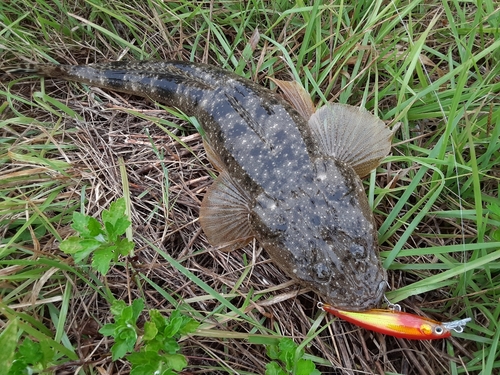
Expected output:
{"points": [[457, 325]]}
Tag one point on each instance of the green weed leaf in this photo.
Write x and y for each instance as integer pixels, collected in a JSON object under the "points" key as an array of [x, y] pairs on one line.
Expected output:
{"points": [[173, 327], [117, 307], [30, 351], [115, 213], [86, 226], [79, 248], [156, 318], [124, 329], [122, 346], [273, 351], [287, 345], [286, 351], [171, 346], [150, 331], [8, 343], [495, 209], [102, 258], [306, 367], [19, 367], [274, 369], [105, 244], [144, 363], [188, 326], [176, 362], [137, 307], [108, 329], [123, 247]]}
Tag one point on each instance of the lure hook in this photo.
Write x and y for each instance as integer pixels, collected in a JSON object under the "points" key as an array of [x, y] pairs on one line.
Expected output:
{"points": [[457, 325]]}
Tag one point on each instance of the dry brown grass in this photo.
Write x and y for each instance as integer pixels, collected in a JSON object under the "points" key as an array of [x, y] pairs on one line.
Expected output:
{"points": [[109, 132]]}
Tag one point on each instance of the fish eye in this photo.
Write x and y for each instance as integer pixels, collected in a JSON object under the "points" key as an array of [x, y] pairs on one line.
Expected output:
{"points": [[321, 272], [357, 251]]}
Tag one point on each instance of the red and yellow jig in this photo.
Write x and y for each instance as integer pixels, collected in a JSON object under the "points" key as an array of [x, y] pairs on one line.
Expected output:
{"points": [[394, 322]]}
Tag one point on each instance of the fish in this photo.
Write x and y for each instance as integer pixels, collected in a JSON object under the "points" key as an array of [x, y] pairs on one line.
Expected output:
{"points": [[289, 176], [399, 323]]}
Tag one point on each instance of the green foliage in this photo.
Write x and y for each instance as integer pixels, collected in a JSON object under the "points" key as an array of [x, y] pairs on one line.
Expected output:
{"points": [[156, 346], [8, 343], [287, 352], [495, 213], [104, 241], [31, 357]]}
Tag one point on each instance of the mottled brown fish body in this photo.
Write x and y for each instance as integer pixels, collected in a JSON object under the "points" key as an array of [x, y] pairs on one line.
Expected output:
{"points": [[280, 181]]}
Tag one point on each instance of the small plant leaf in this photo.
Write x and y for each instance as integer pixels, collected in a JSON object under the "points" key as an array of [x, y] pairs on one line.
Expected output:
{"points": [[79, 248], [171, 346], [121, 225], [150, 331], [274, 369], [137, 307], [115, 212], [117, 307], [273, 351], [102, 258], [145, 363], [189, 326], [287, 344], [158, 319], [111, 232], [495, 209], [19, 367], [176, 362], [145, 369], [173, 327], [143, 358], [8, 343], [123, 247], [30, 351], [305, 367], [120, 348], [107, 329], [86, 226]]}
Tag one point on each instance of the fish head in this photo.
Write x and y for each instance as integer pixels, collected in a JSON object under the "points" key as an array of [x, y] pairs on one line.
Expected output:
{"points": [[323, 235]]}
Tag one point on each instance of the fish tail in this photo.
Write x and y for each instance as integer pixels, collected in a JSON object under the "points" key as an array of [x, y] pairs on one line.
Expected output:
{"points": [[45, 70]]}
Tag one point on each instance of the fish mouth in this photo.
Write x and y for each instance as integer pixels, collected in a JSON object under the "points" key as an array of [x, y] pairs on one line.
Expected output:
{"points": [[375, 301], [367, 304]]}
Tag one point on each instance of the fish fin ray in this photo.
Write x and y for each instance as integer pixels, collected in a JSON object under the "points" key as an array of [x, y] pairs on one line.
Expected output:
{"points": [[297, 96], [225, 213], [212, 156], [352, 135]]}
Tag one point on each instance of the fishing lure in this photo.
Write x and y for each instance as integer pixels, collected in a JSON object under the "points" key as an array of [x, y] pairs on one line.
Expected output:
{"points": [[394, 322]]}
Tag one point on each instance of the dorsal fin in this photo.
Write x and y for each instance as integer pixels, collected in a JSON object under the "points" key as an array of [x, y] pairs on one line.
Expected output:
{"points": [[298, 97]]}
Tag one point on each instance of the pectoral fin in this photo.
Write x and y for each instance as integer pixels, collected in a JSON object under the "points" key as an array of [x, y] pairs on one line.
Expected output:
{"points": [[351, 134], [224, 214]]}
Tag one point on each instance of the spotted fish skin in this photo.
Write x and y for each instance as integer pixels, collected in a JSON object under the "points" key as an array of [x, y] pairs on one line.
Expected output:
{"points": [[308, 209]]}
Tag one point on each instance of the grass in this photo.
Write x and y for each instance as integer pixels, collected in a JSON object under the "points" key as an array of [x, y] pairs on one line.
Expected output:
{"points": [[433, 67]]}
